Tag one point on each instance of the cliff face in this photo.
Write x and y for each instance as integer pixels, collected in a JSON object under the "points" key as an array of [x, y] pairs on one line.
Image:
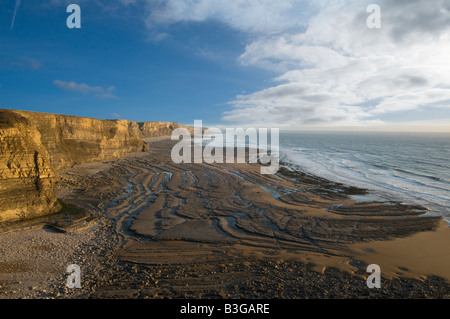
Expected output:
{"points": [[157, 129], [26, 179], [35, 146], [72, 140]]}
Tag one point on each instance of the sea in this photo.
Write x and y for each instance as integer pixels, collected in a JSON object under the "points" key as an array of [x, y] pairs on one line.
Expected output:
{"points": [[413, 168]]}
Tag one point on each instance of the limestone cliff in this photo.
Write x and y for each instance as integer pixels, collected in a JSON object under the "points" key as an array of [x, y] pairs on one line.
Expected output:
{"points": [[26, 179], [72, 140], [157, 129], [35, 146]]}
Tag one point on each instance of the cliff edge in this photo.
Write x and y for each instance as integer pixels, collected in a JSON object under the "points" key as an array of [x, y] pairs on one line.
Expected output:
{"points": [[35, 146]]}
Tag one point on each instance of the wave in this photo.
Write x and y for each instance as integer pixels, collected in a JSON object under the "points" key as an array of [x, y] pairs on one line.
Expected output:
{"points": [[435, 178], [360, 171]]}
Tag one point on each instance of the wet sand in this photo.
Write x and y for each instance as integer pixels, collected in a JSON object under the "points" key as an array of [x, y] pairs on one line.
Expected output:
{"points": [[226, 231]]}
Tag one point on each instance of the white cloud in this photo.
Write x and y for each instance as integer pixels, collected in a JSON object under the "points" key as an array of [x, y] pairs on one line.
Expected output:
{"points": [[23, 62], [331, 67], [128, 2], [254, 16], [16, 7], [341, 71], [97, 91]]}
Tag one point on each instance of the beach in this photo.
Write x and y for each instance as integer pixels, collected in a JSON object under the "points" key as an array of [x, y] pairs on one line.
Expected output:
{"points": [[165, 230]]}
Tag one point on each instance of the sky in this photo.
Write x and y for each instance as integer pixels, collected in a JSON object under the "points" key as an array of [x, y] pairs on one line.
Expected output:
{"points": [[290, 64]]}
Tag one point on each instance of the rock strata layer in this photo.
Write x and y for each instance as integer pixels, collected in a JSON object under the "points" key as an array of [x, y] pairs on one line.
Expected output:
{"points": [[34, 147]]}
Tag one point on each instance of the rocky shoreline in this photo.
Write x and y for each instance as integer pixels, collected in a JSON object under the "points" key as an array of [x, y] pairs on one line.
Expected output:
{"points": [[208, 231]]}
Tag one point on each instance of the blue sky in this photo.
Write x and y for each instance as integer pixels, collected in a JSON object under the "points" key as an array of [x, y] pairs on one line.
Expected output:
{"points": [[192, 74], [290, 63]]}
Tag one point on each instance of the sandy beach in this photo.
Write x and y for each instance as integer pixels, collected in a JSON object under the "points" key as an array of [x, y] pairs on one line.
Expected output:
{"points": [[165, 230]]}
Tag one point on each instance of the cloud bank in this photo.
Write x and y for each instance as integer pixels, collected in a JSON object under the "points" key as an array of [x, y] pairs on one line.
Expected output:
{"points": [[330, 67]]}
